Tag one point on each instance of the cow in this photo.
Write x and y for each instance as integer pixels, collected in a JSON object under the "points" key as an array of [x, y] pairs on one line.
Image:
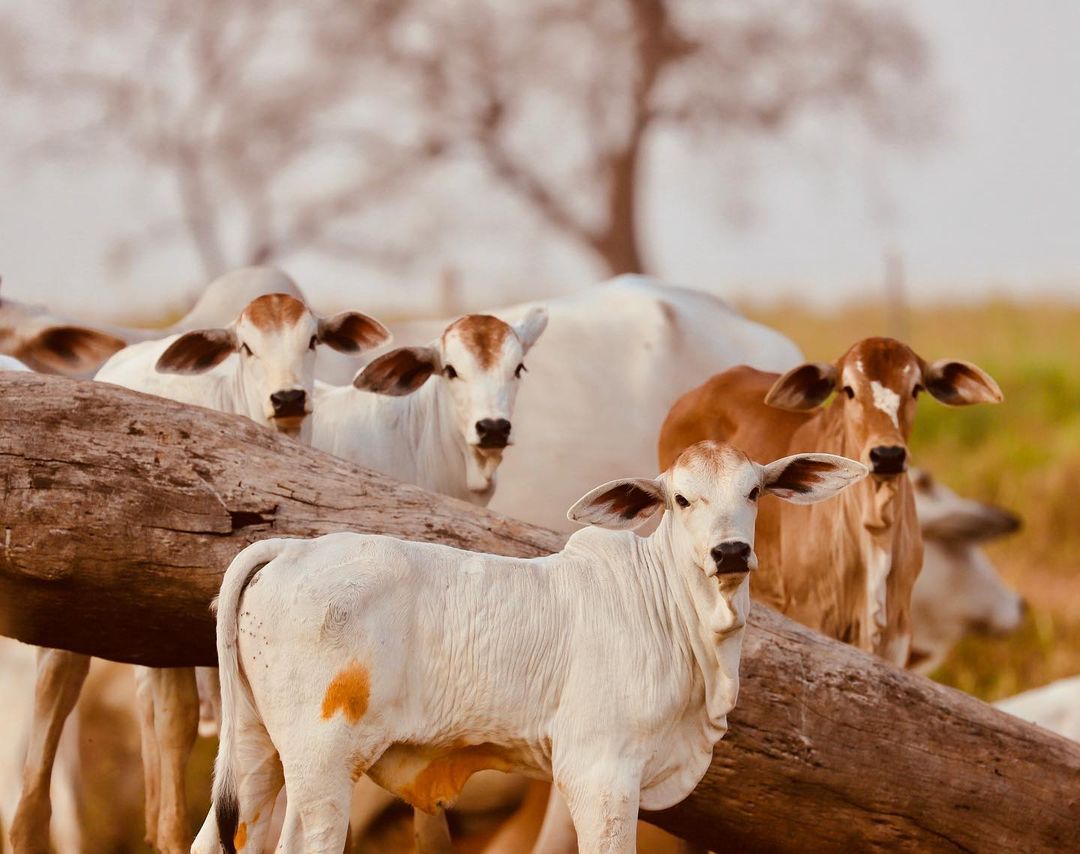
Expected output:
{"points": [[1055, 707], [615, 357], [55, 344], [846, 569], [419, 664], [437, 416], [958, 591], [260, 366]]}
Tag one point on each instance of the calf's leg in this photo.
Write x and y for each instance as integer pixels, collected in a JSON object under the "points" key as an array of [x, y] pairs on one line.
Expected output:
{"points": [[60, 677], [603, 803]]}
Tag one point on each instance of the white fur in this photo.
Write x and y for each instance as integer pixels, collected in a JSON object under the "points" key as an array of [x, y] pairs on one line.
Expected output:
{"points": [[9, 363], [1055, 706], [887, 400]]}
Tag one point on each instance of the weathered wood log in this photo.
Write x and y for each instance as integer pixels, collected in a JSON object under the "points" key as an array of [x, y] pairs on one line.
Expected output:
{"points": [[119, 513]]}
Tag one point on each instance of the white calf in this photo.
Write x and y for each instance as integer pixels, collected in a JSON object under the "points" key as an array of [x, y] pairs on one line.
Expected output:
{"points": [[958, 591], [261, 366], [55, 344], [447, 434], [609, 667], [615, 357]]}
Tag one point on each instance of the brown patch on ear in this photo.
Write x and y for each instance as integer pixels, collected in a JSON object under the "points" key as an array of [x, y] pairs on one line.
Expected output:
{"points": [[398, 372], [801, 476], [69, 350], [482, 334], [197, 352], [348, 693], [961, 384], [274, 311], [352, 332], [805, 387], [627, 500]]}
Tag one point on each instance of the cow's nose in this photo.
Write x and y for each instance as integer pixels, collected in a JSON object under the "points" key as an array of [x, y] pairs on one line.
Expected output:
{"points": [[889, 459], [493, 432], [288, 403], [732, 557]]}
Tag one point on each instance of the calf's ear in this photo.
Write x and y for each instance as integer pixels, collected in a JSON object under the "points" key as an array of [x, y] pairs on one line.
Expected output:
{"points": [[352, 332], [530, 327], [197, 352], [619, 505], [804, 387], [810, 478], [960, 383], [69, 350], [974, 523], [399, 372]]}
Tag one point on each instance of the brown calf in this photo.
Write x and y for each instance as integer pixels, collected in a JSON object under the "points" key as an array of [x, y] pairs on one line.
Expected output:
{"points": [[845, 567]]}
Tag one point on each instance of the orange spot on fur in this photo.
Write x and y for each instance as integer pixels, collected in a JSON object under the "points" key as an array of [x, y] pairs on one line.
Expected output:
{"points": [[443, 779], [274, 311], [240, 837], [348, 692]]}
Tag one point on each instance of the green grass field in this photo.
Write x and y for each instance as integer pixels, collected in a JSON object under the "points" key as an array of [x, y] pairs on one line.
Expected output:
{"points": [[1023, 454]]}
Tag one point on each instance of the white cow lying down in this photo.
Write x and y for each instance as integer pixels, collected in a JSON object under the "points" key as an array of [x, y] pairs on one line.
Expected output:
{"points": [[609, 667], [1055, 706]]}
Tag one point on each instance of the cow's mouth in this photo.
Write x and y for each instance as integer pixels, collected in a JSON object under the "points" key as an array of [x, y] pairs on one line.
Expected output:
{"points": [[288, 424]]}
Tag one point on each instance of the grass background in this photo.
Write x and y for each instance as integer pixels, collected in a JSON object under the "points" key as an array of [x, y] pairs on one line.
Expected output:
{"points": [[1023, 454]]}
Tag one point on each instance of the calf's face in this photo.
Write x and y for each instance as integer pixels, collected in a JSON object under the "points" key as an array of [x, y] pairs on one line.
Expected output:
{"points": [[710, 495], [275, 337], [958, 590], [878, 382], [479, 360]]}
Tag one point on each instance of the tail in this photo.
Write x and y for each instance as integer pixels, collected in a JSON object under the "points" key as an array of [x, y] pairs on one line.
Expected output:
{"points": [[234, 693]]}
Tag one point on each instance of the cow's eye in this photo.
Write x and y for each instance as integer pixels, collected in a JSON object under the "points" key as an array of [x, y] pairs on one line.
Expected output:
{"points": [[245, 349], [915, 391], [849, 391], [314, 340], [754, 493], [681, 500], [519, 370], [449, 372]]}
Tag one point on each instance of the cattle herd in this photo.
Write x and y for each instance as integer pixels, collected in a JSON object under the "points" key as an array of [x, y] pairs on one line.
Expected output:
{"points": [[359, 668]]}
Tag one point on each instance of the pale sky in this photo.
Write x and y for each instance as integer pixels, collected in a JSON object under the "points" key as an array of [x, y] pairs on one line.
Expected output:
{"points": [[993, 207]]}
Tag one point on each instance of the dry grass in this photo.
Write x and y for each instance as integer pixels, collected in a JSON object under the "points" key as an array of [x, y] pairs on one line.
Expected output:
{"points": [[1023, 454]]}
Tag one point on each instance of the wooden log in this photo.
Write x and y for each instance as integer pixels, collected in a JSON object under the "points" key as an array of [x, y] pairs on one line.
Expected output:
{"points": [[119, 512]]}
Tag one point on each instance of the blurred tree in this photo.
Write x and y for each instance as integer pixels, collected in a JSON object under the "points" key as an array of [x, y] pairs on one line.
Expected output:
{"points": [[293, 127]]}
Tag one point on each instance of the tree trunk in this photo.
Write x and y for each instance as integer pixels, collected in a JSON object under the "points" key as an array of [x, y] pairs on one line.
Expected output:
{"points": [[120, 512]]}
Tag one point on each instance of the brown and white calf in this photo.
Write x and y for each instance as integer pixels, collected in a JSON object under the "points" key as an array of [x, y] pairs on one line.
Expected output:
{"points": [[262, 366], [438, 416], [846, 568]]}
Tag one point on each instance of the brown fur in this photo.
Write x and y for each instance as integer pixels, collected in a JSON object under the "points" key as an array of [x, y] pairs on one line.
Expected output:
{"points": [[348, 692], [483, 334], [274, 311], [443, 778], [627, 500]]}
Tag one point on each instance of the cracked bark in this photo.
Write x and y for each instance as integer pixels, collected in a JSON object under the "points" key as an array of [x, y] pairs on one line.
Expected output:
{"points": [[119, 512]]}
